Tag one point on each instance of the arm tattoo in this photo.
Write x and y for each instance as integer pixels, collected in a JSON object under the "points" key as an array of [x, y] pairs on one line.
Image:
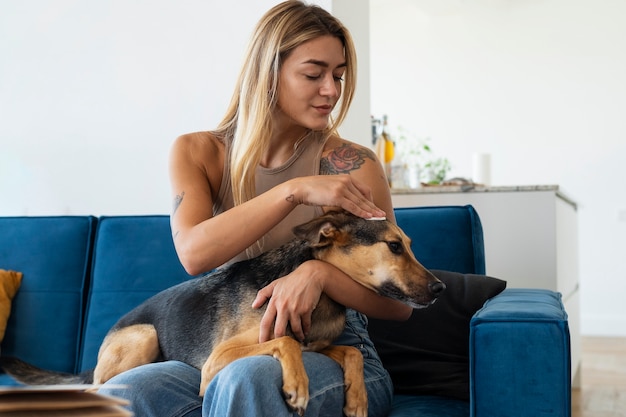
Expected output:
{"points": [[344, 159], [177, 201]]}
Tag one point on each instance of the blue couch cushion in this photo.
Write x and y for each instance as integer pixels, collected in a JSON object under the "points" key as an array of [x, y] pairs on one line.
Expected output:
{"points": [[428, 406], [429, 353], [526, 326], [134, 258], [455, 237], [54, 255]]}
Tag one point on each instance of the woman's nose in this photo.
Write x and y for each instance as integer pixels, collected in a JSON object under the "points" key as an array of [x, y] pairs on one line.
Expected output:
{"points": [[330, 86]]}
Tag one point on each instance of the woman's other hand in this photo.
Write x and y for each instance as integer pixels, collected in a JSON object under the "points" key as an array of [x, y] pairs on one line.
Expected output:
{"points": [[290, 302]]}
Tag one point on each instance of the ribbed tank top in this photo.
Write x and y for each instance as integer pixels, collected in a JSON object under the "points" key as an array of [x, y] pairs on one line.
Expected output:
{"points": [[305, 161]]}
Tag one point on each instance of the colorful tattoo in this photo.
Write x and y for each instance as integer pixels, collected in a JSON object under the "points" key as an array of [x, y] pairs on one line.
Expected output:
{"points": [[344, 159]]}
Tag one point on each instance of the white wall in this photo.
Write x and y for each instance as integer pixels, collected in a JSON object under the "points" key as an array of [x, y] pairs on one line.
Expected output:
{"points": [[92, 94], [356, 17], [538, 84]]}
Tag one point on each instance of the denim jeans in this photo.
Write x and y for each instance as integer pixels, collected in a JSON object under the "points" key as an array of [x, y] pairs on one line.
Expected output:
{"points": [[252, 386]]}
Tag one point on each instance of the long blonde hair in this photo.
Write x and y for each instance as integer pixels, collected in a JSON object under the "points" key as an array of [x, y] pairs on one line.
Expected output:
{"points": [[248, 122]]}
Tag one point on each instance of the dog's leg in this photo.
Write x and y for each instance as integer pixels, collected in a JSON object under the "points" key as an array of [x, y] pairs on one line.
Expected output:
{"points": [[351, 361], [288, 352], [125, 349]]}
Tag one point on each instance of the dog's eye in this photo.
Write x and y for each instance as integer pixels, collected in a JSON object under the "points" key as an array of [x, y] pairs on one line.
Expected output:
{"points": [[395, 247]]}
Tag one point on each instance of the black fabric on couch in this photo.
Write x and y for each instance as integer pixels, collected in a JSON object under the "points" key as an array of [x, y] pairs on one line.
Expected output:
{"points": [[433, 345]]}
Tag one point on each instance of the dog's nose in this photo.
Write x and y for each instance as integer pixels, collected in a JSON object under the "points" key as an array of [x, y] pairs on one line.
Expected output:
{"points": [[437, 287]]}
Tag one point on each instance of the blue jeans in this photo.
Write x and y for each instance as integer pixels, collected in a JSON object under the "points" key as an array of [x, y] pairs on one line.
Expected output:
{"points": [[252, 386]]}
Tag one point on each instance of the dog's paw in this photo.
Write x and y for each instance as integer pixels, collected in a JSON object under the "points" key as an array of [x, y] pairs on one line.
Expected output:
{"points": [[296, 397], [355, 402], [355, 409]]}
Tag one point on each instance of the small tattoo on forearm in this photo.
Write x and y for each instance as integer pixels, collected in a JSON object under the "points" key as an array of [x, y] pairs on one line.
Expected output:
{"points": [[344, 159], [291, 198], [177, 201]]}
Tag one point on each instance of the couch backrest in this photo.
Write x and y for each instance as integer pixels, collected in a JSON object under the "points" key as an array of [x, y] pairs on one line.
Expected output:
{"points": [[54, 254], [81, 274], [452, 237], [134, 258]]}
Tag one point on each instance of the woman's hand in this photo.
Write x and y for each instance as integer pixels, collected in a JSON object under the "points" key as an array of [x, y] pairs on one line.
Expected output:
{"points": [[292, 300], [342, 191]]}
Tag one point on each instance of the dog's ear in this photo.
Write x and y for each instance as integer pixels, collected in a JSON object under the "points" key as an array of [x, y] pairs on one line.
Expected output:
{"points": [[319, 232]]}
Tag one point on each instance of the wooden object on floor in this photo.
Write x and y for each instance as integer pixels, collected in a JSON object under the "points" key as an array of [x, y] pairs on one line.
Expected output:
{"points": [[603, 388]]}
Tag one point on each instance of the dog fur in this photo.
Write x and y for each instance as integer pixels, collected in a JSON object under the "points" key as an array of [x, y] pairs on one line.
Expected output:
{"points": [[208, 322]]}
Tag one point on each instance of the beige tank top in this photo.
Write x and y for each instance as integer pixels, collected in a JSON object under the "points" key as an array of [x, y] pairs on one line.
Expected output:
{"points": [[305, 161]]}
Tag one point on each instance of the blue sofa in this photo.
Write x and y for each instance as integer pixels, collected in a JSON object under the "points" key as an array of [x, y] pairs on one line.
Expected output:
{"points": [[481, 350]]}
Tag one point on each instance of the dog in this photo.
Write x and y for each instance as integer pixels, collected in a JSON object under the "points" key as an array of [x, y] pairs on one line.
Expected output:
{"points": [[208, 322]]}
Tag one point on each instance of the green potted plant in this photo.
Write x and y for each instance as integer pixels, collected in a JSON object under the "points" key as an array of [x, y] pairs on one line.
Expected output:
{"points": [[418, 159]]}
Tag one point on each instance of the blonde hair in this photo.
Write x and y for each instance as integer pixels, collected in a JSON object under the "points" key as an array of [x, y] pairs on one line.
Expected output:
{"points": [[248, 122]]}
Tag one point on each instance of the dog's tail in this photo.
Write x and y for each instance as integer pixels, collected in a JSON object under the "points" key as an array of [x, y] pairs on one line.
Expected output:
{"points": [[31, 375]]}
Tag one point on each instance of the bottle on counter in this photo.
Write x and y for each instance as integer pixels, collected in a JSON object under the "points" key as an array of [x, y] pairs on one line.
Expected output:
{"points": [[385, 148]]}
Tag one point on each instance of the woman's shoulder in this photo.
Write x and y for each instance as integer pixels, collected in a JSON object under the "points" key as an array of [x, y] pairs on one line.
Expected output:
{"points": [[197, 160], [343, 156], [199, 141], [203, 150], [203, 146], [335, 143]]}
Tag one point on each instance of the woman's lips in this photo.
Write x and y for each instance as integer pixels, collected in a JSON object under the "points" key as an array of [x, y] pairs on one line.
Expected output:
{"points": [[324, 109]]}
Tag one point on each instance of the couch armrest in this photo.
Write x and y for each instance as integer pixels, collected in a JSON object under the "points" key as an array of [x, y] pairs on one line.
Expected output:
{"points": [[520, 356]]}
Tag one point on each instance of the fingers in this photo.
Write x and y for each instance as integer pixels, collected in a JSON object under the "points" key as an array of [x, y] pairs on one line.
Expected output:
{"points": [[363, 189], [341, 191], [359, 200], [293, 321], [306, 325], [286, 314], [362, 209], [291, 303], [265, 331], [263, 295], [280, 320]]}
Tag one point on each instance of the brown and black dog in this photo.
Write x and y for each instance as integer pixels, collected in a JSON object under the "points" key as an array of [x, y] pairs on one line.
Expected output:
{"points": [[208, 322]]}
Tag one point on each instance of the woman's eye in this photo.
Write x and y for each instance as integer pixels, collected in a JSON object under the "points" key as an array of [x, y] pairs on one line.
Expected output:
{"points": [[318, 76]]}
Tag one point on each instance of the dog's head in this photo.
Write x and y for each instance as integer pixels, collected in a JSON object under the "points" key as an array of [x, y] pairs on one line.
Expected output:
{"points": [[375, 253]]}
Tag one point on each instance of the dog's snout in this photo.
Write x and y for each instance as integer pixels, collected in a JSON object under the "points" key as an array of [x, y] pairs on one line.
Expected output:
{"points": [[437, 287]]}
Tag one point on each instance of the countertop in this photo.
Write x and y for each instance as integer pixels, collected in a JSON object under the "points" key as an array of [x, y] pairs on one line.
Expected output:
{"points": [[479, 188]]}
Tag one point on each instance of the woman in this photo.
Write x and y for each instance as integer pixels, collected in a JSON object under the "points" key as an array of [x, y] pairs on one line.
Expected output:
{"points": [[275, 161]]}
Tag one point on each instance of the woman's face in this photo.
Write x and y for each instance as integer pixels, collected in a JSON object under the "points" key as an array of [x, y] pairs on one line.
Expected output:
{"points": [[310, 83]]}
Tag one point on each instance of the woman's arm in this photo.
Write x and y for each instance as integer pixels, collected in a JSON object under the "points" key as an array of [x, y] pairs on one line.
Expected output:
{"points": [[203, 241]]}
